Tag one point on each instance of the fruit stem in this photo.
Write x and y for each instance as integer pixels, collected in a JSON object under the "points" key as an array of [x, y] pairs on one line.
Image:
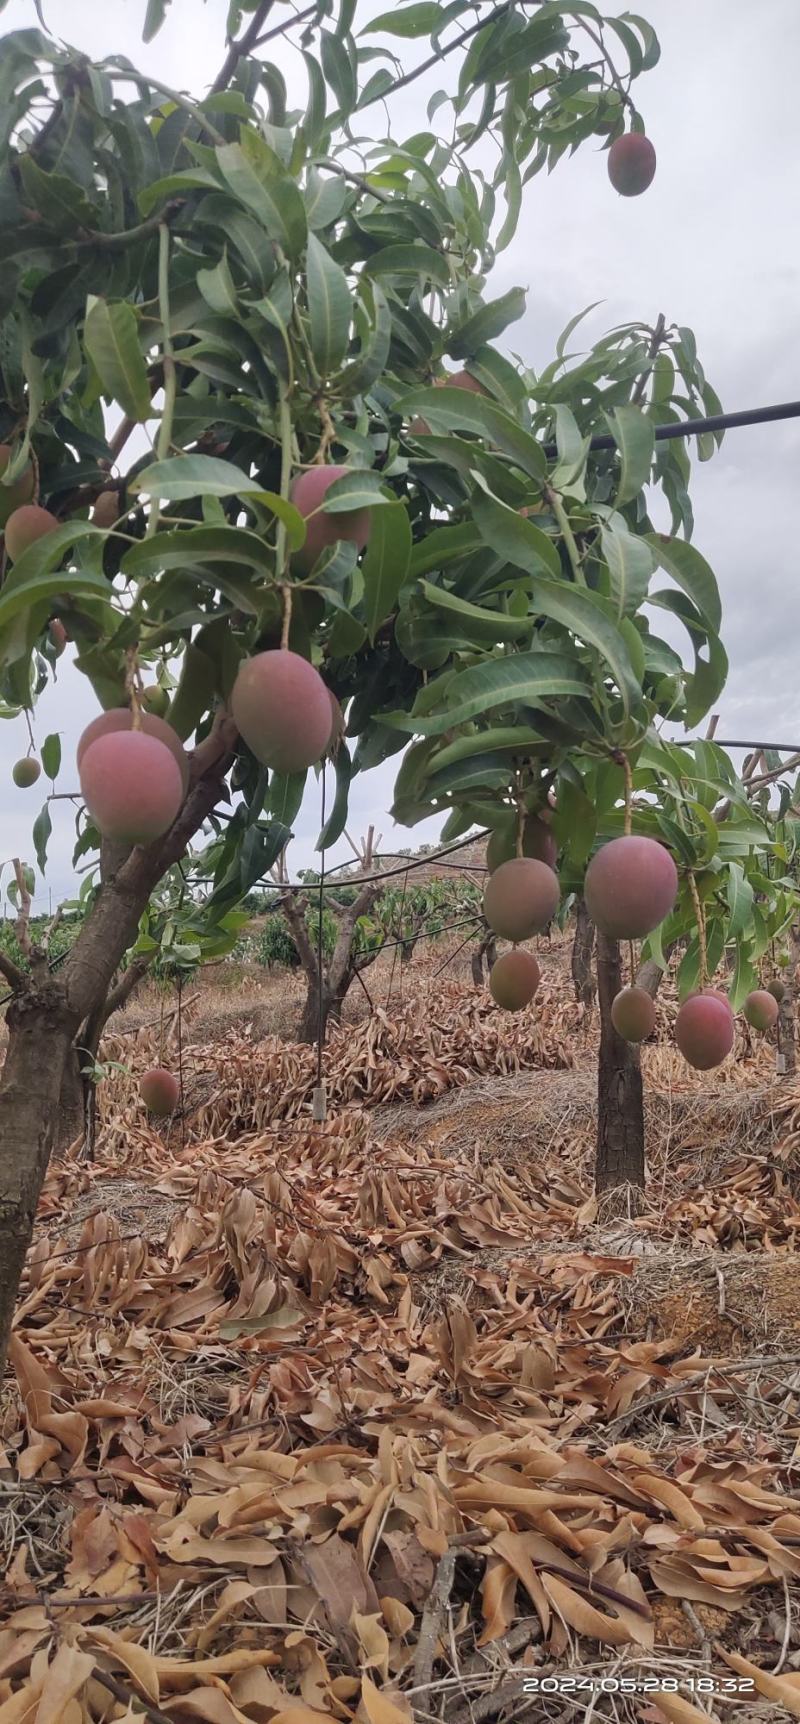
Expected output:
{"points": [[170, 375], [628, 822], [132, 688], [701, 930], [285, 421], [567, 534], [632, 962], [286, 592], [32, 748]]}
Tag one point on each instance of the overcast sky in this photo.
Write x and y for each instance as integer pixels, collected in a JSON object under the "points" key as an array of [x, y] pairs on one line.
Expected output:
{"points": [[714, 244]]}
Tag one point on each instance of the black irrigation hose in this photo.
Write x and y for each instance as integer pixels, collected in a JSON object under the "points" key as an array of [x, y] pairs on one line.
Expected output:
{"points": [[696, 427]]}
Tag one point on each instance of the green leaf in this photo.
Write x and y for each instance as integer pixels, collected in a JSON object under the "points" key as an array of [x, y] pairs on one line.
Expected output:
{"points": [[457, 410], [415, 259], [218, 289], [182, 477], [329, 308], [42, 828], [186, 545], [51, 756], [359, 489], [191, 179], [154, 18], [385, 565], [513, 537], [60, 202], [744, 977], [337, 819], [465, 338], [635, 436], [274, 198], [588, 617], [691, 573], [478, 624], [630, 565], [741, 897], [314, 117], [512, 186], [511, 739], [111, 339], [410, 21], [339, 72], [35, 577], [521, 677], [370, 362], [286, 796], [442, 546]]}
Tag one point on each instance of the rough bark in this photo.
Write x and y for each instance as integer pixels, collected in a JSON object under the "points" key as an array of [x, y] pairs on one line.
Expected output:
{"points": [[582, 952], [484, 953], [620, 1104]]}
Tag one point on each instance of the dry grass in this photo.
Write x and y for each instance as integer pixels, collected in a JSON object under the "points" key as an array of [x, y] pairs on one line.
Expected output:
{"points": [[268, 1371]]}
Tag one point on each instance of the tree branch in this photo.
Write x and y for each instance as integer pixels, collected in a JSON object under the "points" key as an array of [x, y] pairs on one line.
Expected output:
{"points": [[13, 975], [436, 59], [237, 50], [131, 235], [295, 917], [22, 926]]}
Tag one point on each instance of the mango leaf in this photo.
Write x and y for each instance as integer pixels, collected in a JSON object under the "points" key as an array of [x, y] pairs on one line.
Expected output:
{"points": [[457, 410], [630, 565], [370, 361], [111, 339], [218, 288], [513, 537], [513, 739], [417, 20], [744, 976], [414, 259], [635, 437], [35, 577], [385, 566], [274, 198], [359, 489], [337, 819], [740, 897], [476, 622], [521, 677], [339, 72], [285, 796], [329, 307], [42, 828], [691, 573], [51, 755], [465, 338], [442, 546], [186, 545]]}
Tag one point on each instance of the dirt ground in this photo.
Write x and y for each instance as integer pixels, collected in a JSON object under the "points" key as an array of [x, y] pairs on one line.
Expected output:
{"points": [[380, 1419]]}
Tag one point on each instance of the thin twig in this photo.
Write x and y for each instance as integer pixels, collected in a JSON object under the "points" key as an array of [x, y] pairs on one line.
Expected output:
{"points": [[22, 926]]}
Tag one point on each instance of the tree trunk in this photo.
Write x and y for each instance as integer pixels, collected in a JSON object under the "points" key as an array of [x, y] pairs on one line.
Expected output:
{"points": [[70, 1121], [786, 1061], [40, 1032], [582, 951], [308, 1028], [620, 1104], [485, 952]]}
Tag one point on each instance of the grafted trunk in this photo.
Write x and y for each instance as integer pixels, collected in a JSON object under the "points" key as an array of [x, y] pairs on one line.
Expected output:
{"points": [[620, 1103], [40, 1032], [70, 1119], [582, 952]]}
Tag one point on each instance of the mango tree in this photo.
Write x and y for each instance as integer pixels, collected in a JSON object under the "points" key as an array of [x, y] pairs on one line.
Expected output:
{"points": [[270, 292]]}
